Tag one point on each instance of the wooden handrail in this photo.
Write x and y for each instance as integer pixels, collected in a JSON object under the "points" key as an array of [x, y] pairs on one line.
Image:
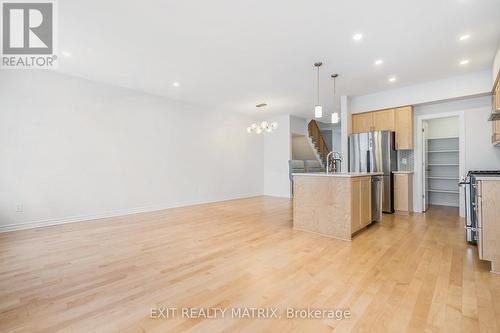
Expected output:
{"points": [[318, 140]]}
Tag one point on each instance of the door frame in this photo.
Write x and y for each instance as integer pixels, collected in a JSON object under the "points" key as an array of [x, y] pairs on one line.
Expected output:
{"points": [[419, 151], [425, 199]]}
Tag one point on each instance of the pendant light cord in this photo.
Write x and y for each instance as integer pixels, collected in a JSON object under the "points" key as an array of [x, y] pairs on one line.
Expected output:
{"points": [[317, 78], [333, 94], [334, 77]]}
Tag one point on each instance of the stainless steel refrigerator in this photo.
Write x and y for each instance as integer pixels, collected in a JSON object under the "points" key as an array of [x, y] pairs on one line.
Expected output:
{"points": [[374, 152]]}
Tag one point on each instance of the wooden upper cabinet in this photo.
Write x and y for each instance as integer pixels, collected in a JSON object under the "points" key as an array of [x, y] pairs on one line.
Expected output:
{"points": [[362, 122], [404, 128], [399, 120], [495, 102], [495, 135], [384, 120]]}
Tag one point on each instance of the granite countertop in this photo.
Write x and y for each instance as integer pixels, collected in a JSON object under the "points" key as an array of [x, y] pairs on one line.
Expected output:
{"points": [[403, 172], [337, 174]]}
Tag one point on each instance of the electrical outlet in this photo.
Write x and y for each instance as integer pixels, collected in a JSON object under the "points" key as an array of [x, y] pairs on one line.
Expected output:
{"points": [[19, 208], [404, 161]]}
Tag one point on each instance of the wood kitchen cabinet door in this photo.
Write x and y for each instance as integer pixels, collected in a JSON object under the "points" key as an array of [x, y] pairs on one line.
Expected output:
{"points": [[404, 128], [365, 201], [384, 120], [403, 189], [361, 203], [362, 122], [355, 205], [488, 211]]}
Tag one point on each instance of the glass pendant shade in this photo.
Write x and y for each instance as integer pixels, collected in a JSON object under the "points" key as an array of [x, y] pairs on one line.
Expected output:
{"points": [[318, 111], [335, 118]]}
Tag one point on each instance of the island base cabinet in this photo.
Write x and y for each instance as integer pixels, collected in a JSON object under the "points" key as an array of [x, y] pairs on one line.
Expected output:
{"points": [[488, 207], [332, 206]]}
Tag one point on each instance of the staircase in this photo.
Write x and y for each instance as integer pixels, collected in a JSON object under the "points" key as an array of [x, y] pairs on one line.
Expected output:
{"points": [[317, 142]]}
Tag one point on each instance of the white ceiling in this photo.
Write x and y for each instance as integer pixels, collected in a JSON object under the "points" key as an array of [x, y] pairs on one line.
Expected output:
{"points": [[231, 54]]}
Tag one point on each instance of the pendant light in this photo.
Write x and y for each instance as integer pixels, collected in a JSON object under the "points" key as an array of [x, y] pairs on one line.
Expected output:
{"points": [[318, 109], [335, 115]]}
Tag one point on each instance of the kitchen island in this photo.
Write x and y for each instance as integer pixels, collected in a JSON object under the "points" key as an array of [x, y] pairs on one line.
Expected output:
{"points": [[336, 205]]}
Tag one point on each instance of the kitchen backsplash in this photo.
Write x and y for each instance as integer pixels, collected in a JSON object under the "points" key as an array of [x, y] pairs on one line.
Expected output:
{"points": [[405, 160]]}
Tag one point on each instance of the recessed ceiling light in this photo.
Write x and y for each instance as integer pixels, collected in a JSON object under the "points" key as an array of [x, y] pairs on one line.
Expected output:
{"points": [[392, 79], [464, 37], [357, 36], [379, 62], [176, 84], [464, 62], [66, 54]]}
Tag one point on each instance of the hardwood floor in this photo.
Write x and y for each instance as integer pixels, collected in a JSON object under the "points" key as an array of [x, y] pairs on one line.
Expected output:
{"points": [[408, 273]]}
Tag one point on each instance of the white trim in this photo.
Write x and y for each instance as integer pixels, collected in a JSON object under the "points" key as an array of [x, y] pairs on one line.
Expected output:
{"points": [[417, 176], [103, 215], [345, 130]]}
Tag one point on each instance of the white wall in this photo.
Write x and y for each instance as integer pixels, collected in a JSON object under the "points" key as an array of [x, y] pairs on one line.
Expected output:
{"points": [[277, 152], [337, 138], [480, 154], [496, 65], [333, 136], [298, 125], [346, 129], [456, 87], [443, 127], [301, 148], [72, 149]]}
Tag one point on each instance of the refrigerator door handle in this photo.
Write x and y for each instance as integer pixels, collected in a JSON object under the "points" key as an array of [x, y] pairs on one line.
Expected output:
{"points": [[368, 161]]}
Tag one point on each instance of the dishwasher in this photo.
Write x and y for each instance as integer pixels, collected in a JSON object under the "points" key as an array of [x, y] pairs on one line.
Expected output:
{"points": [[377, 184]]}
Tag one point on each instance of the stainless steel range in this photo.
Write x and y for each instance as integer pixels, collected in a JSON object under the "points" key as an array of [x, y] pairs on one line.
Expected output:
{"points": [[472, 221]]}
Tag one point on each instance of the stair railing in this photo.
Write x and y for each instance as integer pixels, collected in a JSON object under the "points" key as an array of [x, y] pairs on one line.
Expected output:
{"points": [[318, 140]]}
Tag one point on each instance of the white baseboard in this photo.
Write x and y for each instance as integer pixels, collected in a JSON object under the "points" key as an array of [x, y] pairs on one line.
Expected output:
{"points": [[109, 214]]}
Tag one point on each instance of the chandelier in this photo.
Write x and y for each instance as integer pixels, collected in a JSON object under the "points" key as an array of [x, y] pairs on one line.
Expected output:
{"points": [[263, 126]]}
